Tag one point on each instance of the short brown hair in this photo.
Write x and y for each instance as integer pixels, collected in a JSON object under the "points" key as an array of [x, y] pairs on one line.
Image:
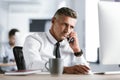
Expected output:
{"points": [[67, 12], [12, 32]]}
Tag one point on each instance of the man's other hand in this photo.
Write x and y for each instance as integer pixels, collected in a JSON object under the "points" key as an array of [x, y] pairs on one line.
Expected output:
{"points": [[77, 69]]}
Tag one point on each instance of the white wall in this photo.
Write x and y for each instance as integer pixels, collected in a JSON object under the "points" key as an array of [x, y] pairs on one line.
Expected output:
{"points": [[3, 21], [20, 14], [79, 6]]}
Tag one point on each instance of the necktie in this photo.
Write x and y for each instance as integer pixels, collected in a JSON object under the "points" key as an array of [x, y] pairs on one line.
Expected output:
{"points": [[57, 52]]}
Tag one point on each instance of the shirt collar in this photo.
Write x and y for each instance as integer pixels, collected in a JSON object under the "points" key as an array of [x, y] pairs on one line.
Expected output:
{"points": [[53, 40], [8, 45]]}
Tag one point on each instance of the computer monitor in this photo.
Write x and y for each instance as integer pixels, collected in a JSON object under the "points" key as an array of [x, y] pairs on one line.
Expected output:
{"points": [[109, 32]]}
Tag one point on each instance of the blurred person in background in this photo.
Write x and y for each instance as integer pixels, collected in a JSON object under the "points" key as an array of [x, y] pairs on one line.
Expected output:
{"points": [[6, 53]]}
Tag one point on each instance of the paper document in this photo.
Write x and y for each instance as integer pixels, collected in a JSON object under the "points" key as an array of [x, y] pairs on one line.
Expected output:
{"points": [[23, 72]]}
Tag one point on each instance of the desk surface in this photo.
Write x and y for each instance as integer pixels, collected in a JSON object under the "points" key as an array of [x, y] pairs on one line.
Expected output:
{"points": [[63, 77]]}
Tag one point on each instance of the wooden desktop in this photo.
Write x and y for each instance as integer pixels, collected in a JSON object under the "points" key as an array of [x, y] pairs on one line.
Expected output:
{"points": [[63, 77]]}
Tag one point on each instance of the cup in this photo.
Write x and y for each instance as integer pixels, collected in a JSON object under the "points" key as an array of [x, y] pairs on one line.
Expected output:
{"points": [[55, 66]]}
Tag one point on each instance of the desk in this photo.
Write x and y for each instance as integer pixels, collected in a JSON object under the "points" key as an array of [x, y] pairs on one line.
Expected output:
{"points": [[63, 77], [7, 64]]}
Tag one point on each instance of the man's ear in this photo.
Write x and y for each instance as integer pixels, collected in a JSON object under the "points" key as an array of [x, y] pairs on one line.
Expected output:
{"points": [[53, 19]]}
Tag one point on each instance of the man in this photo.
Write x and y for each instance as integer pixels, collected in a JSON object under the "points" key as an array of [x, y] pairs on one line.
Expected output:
{"points": [[6, 54], [39, 47]]}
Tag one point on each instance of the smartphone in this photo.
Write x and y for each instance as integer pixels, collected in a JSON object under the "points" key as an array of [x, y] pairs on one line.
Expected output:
{"points": [[70, 39]]}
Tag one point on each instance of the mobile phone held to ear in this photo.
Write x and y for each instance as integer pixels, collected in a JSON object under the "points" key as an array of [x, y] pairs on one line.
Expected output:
{"points": [[70, 39]]}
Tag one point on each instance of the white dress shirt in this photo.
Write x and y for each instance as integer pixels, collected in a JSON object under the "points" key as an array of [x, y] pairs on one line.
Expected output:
{"points": [[7, 51], [39, 47]]}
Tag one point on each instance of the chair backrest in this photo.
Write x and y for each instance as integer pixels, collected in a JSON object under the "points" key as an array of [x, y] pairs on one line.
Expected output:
{"points": [[18, 54]]}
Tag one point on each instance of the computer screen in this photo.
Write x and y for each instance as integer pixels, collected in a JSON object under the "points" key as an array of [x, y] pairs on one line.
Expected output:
{"points": [[109, 32]]}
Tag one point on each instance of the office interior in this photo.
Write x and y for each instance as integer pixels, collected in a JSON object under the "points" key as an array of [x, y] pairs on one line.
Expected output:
{"points": [[27, 15]]}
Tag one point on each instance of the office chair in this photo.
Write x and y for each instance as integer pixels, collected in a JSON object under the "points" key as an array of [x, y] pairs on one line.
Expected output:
{"points": [[18, 54]]}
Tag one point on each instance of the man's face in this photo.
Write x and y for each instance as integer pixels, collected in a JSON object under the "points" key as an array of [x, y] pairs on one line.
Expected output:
{"points": [[12, 40], [62, 26]]}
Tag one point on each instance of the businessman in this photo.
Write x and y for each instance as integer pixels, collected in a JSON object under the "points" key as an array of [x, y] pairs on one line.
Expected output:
{"points": [[6, 53], [39, 47]]}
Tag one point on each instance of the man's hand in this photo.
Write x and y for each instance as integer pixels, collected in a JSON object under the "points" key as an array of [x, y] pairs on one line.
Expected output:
{"points": [[77, 69], [74, 45]]}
